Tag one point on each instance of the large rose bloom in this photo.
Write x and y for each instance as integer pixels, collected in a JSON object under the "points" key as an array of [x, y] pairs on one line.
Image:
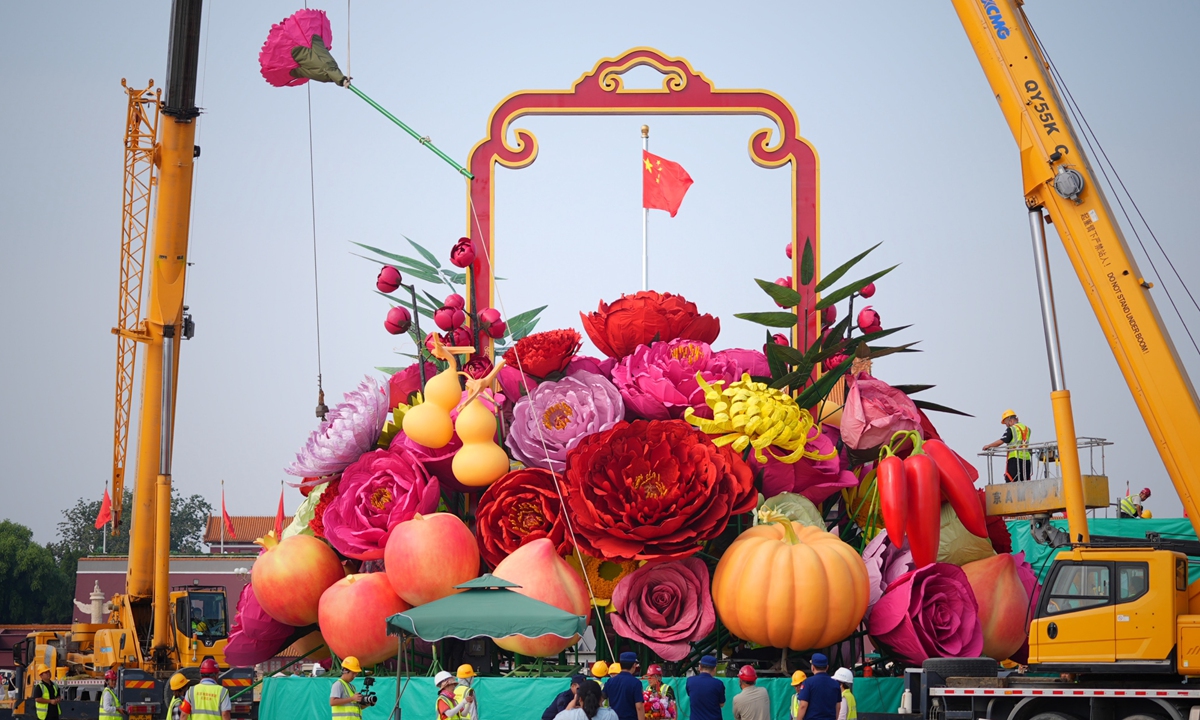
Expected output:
{"points": [[874, 411], [653, 489], [929, 612], [348, 430], [642, 318], [519, 508], [666, 606], [379, 491], [545, 353], [658, 381], [557, 415]]}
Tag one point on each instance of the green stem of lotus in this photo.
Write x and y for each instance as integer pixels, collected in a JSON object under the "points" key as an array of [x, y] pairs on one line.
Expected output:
{"points": [[417, 136]]}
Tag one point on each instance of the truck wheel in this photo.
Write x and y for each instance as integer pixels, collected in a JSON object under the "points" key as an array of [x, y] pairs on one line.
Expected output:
{"points": [[962, 667], [1052, 716], [1140, 716]]}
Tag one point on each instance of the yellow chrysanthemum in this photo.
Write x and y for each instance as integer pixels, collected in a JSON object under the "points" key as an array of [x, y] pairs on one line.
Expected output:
{"points": [[751, 414]]}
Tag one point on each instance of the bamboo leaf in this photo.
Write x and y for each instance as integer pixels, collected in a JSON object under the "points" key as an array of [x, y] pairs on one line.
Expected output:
{"points": [[934, 407], [795, 377], [404, 259], [807, 264], [420, 274], [913, 389], [454, 277], [885, 351], [789, 354], [770, 319], [407, 303], [841, 270], [784, 296], [818, 390], [848, 290], [526, 316], [775, 360], [425, 253], [391, 370]]}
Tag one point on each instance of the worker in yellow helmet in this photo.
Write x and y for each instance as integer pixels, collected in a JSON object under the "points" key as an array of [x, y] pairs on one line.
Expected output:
{"points": [[178, 707], [344, 700], [46, 696], [464, 694], [1131, 505], [798, 679], [1016, 437]]}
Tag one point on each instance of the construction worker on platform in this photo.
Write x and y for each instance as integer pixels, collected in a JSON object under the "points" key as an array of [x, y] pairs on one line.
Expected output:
{"points": [[46, 695], [1131, 505], [1016, 437], [110, 704], [178, 707], [344, 699], [209, 699]]}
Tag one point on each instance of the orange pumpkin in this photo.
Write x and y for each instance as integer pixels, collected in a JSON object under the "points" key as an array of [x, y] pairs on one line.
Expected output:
{"points": [[787, 585]]}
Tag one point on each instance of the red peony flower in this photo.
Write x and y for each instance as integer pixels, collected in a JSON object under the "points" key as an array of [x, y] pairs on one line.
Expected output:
{"points": [[478, 368], [463, 253], [541, 354], [640, 319], [653, 489], [519, 508]]}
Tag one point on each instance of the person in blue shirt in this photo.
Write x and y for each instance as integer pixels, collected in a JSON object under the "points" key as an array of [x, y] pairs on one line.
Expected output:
{"points": [[821, 694], [564, 698], [624, 690], [706, 694]]}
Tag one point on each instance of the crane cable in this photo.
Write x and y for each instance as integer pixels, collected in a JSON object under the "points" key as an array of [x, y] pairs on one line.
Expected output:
{"points": [[1097, 151]]}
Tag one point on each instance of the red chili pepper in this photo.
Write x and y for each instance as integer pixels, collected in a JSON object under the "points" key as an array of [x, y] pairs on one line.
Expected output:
{"points": [[893, 497], [924, 507], [957, 487]]}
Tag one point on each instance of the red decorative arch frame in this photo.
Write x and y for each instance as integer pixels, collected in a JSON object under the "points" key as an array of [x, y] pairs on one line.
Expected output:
{"points": [[684, 91]]}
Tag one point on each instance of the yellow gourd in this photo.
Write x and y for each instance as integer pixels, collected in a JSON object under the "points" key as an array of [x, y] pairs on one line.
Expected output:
{"points": [[481, 461], [429, 423]]}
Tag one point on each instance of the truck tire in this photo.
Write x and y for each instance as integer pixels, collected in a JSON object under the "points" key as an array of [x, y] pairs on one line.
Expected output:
{"points": [[1052, 716], [962, 667]]}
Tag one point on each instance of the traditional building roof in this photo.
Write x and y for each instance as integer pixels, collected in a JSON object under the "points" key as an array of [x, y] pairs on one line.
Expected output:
{"points": [[245, 527]]}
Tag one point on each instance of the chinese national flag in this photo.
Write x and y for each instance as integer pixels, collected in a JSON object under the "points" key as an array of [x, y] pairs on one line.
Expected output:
{"points": [[664, 183], [105, 514], [225, 517], [279, 517]]}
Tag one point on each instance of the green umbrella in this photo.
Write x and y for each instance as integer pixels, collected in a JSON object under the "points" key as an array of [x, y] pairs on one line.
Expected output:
{"points": [[490, 608]]}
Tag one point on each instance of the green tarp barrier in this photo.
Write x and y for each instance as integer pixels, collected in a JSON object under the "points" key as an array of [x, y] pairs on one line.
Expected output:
{"points": [[1040, 556], [293, 698]]}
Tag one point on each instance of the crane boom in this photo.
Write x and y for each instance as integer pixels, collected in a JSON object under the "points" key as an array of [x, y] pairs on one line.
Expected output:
{"points": [[1058, 177]]}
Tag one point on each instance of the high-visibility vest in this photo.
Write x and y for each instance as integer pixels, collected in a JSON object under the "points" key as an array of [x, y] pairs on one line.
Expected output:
{"points": [[453, 701], [349, 710], [206, 700], [795, 705], [49, 692], [1129, 505], [1018, 446], [851, 705], [113, 714], [171, 708]]}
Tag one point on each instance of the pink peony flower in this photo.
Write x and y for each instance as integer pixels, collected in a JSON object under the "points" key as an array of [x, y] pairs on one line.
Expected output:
{"points": [[658, 381], [814, 479], [868, 321], [380, 490], [928, 612], [666, 606], [403, 384], [463, 253], [557, 415], [255, 636], [398, 321], [874, 411], [868, 290], [349, 430], [455, 300], [491, 324], [516, 387], [389, 279], [448, 318], [478, 367]]}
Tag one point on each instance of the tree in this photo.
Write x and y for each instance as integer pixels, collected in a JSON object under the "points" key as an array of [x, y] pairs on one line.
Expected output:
{"points": [[33, 587]]}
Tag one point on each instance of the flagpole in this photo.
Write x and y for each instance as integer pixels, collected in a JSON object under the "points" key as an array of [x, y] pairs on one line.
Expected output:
{"points": [[222, 517], [645, 218]]}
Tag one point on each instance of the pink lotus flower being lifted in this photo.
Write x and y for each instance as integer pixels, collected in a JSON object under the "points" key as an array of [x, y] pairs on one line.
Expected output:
{"points": [[350, 429]]}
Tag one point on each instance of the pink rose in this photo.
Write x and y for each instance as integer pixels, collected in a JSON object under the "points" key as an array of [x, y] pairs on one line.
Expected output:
{"points": [[814, 479], [463, 253], [868, 321], [874, 411], [929, 612], [658, 381], [403, 384], [666, 606], [380, 490]]}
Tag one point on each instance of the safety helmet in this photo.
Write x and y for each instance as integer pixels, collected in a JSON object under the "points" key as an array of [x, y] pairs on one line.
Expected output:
{"points": [[441, 677], [209, 667], [654, 669], [600, 669], [110, 675], [1146, 515], [1006, 415], [465, 671], [1145, 492], [351, 663], [748, 674], [614, 669], [178, 681], [42, 669], [843, 675], [798, 677]]}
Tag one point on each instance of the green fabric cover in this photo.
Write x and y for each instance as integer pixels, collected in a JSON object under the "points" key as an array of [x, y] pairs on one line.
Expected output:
{"points": [[316, 63], [522, 698], [488, 608], [1040, 556]]}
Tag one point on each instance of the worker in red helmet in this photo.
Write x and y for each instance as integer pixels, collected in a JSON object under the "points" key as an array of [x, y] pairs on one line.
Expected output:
{"points": [[658, 699], [209, 698], [1131, 505], [752, 703], [110, 703]]}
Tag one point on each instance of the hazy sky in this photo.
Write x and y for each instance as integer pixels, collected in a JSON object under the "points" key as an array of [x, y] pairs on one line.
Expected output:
{"points": [[913, 152]]}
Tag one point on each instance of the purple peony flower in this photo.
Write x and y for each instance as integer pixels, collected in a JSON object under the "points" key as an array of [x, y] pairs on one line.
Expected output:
{"points": [[350, 429], [885, 564], [559, 414], [667, 606], [814, 479], [928, 612], [380, 490], [658, 381]]}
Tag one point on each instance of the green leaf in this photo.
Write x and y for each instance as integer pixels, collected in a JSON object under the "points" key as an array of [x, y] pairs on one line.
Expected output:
{"points": [[837, 334], [403, 259], [526, 316], [420, 274], [430, 298], [788, 353], [784, 296], [926, 405], [770, 319], [841, 270], [456, 278], [389, 370], [775, 360], [406, 303], [760, 379], [424, 253], [882, 333], [524, 331], [795, 378], [817, 391], [807, 264], [848, 290], [885, 351], [913, 389]]}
